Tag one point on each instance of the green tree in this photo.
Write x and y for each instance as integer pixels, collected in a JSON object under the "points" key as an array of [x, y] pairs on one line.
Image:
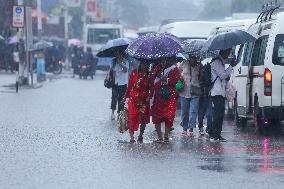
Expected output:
{"points": [[132, 12], [247, 6], [76, 24], [216, 9], [6, 15]]}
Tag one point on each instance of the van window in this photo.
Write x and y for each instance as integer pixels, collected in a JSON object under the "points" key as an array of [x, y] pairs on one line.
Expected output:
{"points": [[278, 51], [259, 50], [240, 53], [247, 54], [102, 35]]}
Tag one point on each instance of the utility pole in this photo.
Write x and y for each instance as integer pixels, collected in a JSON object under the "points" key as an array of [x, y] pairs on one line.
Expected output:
{"points": [[66, 29], [39, 18], [23, 68]]}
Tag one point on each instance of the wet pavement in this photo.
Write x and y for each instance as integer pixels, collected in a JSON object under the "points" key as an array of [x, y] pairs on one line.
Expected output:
{"points": [[60, 136]]}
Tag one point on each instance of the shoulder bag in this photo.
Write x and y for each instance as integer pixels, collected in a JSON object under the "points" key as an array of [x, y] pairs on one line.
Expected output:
{"points": [[109, 81]]}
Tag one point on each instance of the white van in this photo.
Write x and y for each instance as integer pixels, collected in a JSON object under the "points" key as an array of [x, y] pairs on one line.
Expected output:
{"points": [[259, 76], [98, 34], [230, 25], [146, 30], [189, 29]]}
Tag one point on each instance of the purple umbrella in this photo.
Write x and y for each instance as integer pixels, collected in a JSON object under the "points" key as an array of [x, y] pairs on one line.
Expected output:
{"points": [[155, 46]]}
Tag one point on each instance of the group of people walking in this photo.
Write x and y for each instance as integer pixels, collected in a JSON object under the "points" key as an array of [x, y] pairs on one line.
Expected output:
{"points": [[150, 90]]}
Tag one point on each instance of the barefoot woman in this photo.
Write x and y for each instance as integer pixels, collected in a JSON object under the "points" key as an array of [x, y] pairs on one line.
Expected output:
{"points": [[138, 103]]}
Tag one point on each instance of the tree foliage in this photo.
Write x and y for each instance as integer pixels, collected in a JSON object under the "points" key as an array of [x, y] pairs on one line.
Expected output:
{"points": [[247, 6], [133, 12], [216, 9], [76, 24], [221, 8], [5, 17]]}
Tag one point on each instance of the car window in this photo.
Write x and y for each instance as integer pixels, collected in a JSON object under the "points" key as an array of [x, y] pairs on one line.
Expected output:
{"points": [[278, 51], [247, 54], [259, 50]]}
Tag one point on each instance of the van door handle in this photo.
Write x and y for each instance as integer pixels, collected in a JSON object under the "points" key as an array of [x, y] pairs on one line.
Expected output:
{"points": [[240, 70]]}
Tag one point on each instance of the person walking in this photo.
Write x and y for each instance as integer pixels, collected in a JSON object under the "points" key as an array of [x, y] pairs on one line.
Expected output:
{"points": [[138, 97], [205, 108], [119, 68], [205, 101], [91, 61], [166, 76], [190, 96], [40, 65], [220, 77], [16, 59]]}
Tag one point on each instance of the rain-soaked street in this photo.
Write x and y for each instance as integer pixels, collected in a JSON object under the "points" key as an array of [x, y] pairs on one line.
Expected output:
{"points": [[60, 136]]}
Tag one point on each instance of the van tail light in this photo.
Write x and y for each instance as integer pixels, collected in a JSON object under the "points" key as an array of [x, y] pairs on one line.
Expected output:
{"points": [[267, 82]]}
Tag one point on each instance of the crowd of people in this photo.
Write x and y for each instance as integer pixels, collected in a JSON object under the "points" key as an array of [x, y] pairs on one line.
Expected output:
{"points": [[151, 91]]}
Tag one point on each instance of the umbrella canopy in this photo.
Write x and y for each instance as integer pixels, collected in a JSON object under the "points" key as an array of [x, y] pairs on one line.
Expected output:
{"points": [[2, 38], [42, 45], [228, 40], [155, 46], [112, 47], [13, 40], [192, 46], [75, 42]]}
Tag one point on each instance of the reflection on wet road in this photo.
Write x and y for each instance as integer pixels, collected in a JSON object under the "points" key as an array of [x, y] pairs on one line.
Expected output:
{"points": [[60, 136]]}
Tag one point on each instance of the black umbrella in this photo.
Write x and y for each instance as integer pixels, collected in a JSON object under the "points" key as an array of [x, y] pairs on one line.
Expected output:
{"points": [[113, 47], [228, 40], [192, 46]]}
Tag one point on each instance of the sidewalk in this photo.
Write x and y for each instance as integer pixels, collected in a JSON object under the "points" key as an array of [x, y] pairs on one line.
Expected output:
{"points": [[8, 82]]}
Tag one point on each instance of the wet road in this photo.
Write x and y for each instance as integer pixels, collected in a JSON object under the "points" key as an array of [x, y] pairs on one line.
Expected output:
{"points": [[60, 136]]}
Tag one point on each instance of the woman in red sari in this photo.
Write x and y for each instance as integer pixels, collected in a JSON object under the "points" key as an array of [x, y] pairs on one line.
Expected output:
{"points": [[164, 109], [138, 95]]}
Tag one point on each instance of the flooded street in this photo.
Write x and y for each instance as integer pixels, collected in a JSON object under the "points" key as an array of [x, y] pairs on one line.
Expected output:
{"points": [[60, 136]]}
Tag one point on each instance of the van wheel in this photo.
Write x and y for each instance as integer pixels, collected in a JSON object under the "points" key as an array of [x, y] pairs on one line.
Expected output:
{"points": [[275, 126], [258, 119], [240, 121]]}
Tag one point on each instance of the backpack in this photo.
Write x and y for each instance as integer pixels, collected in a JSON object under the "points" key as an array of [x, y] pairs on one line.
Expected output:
{"points": [[206, 78]]}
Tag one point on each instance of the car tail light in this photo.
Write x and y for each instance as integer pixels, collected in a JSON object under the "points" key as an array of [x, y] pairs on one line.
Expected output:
{"points": [[267, 82]]}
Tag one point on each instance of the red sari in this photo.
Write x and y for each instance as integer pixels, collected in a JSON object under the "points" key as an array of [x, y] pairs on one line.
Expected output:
{"points": [[164, 110], [138, 104]]}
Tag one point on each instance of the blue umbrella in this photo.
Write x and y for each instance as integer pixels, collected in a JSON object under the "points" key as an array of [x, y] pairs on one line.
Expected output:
{"points": [[154, 46], [114, 47], [192, 46], [228, 40]]}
